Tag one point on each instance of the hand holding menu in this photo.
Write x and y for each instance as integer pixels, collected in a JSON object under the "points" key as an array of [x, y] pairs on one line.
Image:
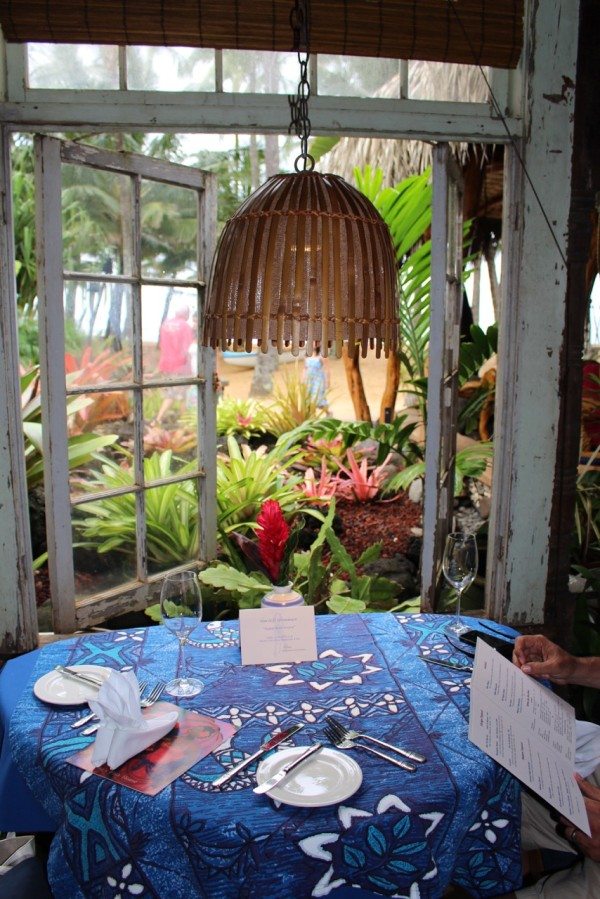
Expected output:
{"points": [[528, 730]]}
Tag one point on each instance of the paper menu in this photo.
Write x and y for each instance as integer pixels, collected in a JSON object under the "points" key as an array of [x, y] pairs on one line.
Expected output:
{"points": [[271, 636], [528, 730]]}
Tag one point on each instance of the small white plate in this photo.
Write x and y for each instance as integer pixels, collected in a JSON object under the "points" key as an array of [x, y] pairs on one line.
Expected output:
{"points": [[326, 778], [58, 689]]}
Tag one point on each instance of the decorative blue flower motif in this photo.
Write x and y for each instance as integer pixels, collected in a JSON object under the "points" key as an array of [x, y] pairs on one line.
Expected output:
{"points": [[330, 668], [387, 851], [121, 886], [489, 826], [456, 686], [439, 649]]}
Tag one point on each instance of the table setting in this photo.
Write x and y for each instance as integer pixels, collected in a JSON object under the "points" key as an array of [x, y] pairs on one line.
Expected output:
{"points": [[294, 778]]}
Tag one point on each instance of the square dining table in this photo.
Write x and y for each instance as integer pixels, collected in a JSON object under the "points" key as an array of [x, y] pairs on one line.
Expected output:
{"points": [[456, 819]]}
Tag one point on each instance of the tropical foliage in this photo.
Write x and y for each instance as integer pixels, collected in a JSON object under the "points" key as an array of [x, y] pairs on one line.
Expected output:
{"points": [[109, 524], [470, 462], [81, 447], [325, 574]]}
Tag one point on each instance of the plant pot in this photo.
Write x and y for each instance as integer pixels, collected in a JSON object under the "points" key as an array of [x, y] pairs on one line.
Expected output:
{"points": [[282, 597]]}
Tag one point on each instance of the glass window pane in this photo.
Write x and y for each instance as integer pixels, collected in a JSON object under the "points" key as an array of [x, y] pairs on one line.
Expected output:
{"points": [[355, 76], [170, 69], [169, 223], [170, 416], [104, 542], [75, 66], [98, 332], [172, 525], [97, 216], [103, 444], [446, 81], [169, 331], [248, 71]]}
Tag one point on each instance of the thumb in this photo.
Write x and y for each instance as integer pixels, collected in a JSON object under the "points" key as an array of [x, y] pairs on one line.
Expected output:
{"points": [[538, 669]]}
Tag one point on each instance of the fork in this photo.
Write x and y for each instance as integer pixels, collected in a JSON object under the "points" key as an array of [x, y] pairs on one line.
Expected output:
{"points": [[85, 719], [342, 743], [148, 701], [348, 734]]}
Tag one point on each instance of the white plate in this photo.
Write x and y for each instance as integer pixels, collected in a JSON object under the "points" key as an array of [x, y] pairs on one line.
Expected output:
{"points": [[58, 689], [326, 778]]}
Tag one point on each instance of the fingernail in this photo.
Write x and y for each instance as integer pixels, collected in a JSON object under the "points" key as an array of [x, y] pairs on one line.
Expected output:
{"points": [[526, 669]]}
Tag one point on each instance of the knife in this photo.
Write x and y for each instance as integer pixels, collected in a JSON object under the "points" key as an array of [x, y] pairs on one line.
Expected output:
{"points": [[266, 747], [286, 769], [78, 675], [445, 664]]}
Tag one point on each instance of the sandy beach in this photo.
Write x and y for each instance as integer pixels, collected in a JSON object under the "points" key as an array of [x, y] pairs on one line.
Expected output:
{"points": [[373, 372]]}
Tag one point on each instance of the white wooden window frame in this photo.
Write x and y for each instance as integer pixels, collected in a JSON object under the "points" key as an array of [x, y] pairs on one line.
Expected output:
{"points": [[444, 347], [69, 611], [225, 112]]}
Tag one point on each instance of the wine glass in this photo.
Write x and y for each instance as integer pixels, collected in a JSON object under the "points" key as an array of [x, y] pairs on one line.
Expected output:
{"points": [[460, 568], [181, 611]]}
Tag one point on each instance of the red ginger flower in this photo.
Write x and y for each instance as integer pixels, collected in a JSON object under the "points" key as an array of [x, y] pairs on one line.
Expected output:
{"points": [[272, 537]]}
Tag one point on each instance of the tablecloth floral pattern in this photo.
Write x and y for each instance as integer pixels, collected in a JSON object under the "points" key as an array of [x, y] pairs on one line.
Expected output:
{"points": [[456, 819]]}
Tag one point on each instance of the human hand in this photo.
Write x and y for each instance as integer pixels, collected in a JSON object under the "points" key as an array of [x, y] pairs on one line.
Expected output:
{"points": [[540, 657], [590, 846]]}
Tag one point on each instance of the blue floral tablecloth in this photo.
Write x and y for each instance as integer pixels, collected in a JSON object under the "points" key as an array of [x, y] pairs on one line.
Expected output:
{"points": [[456, 819]]}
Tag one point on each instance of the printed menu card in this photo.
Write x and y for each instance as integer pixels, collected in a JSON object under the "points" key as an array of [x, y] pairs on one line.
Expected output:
{"points": [[272, 636], [528, 730]]}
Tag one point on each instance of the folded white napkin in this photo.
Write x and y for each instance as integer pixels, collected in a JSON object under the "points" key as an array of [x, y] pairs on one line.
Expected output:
{"points": [[587, 747], [123, 730]]}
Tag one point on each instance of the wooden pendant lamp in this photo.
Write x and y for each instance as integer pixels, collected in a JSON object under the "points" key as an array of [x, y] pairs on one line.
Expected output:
{"points": [[306, 261]]}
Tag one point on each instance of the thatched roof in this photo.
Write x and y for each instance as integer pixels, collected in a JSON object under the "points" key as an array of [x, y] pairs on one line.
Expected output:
{"points": [[400, 158]]}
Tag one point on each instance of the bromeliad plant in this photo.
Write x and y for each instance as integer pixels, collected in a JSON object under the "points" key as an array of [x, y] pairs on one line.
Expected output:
{"points": [[246, 478], [294, 404], [244, 418], [275, 543], [325, 574], [360, 483], [171, 511], [333, 437]]}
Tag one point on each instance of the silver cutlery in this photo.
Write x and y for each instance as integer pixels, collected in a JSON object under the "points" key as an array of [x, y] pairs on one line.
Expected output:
{"points": [[287, 769], [147, 701], [80, 676], [342, 743], [85, 719], [446, 664], [266, 747], [349, 734]]}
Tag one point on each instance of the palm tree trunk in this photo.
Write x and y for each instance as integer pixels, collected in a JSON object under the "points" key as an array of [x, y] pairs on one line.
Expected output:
{"points": [[355, 384], [390, 391]]}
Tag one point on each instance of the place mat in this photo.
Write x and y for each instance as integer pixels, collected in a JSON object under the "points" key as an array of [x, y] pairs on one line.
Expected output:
{"points": [[193, 737]]}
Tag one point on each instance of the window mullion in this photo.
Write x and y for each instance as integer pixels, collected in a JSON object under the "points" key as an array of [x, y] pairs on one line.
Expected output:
{"points": [[138, 397]]}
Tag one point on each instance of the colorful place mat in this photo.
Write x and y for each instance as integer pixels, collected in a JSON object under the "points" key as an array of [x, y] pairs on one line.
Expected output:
{"points": [[193, 737]]}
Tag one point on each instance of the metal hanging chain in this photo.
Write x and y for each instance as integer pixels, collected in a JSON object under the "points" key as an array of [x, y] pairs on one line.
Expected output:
{"points": [[300, 122]]}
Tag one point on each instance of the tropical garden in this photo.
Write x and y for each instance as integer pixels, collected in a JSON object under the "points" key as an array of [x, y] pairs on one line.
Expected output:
{"points": [[293, 485]]}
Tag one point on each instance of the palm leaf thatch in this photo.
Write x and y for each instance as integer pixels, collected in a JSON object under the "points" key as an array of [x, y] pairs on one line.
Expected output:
{"points": [[400, 158]]}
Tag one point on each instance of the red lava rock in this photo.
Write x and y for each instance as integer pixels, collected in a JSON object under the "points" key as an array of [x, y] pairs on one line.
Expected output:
{"points": [[388, 522]]}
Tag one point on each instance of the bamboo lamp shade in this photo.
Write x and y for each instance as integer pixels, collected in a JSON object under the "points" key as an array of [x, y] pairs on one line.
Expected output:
{"points": [[306, 261]]}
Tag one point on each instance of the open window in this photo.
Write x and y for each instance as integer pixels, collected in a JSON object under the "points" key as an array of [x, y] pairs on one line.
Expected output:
{"points": [[134, 509]]}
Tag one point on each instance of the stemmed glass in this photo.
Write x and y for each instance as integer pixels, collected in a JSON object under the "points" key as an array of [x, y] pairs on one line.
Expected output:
{"points": [[181, 611], [460, 568]]}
